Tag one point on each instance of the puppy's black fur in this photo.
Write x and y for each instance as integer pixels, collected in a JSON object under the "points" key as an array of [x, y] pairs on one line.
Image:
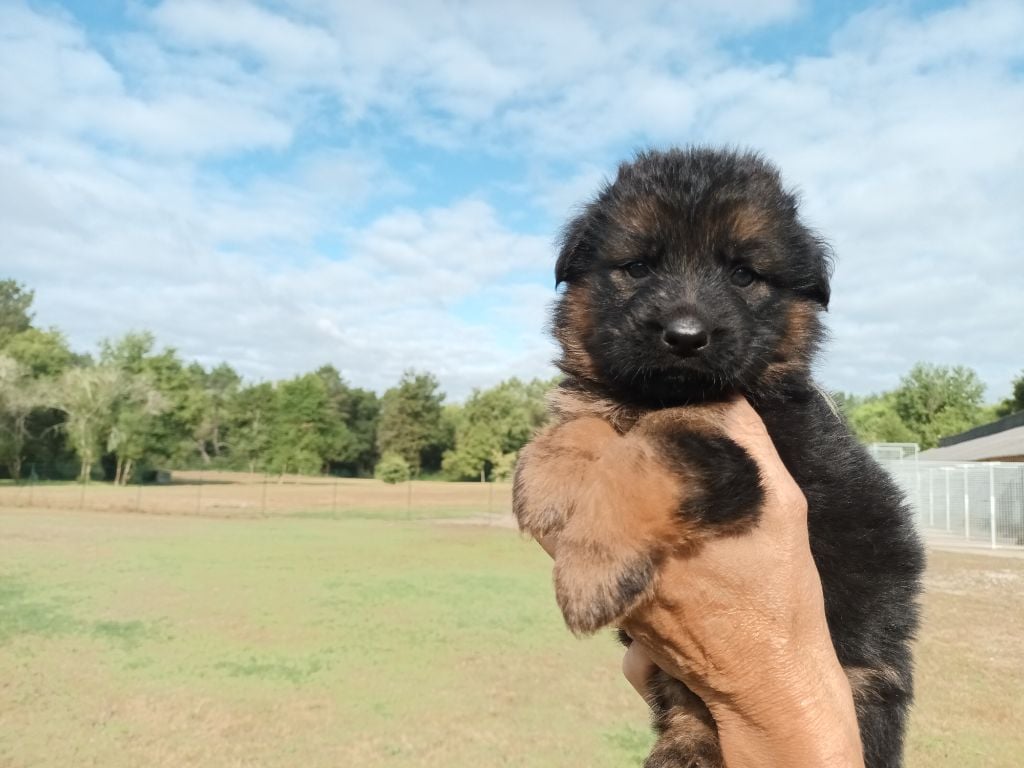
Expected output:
{"points": [[691, 278]]}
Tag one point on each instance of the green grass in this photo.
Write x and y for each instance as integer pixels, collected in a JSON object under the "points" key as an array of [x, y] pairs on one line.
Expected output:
{"points": [[371, 640], [127, 640]]}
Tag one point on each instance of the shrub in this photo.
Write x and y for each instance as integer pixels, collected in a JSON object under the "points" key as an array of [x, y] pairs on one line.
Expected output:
{"points": [[392, 469]]}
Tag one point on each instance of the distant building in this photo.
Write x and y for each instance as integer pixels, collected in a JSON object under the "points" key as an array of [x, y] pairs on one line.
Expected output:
{"points": [[1001, 440]]}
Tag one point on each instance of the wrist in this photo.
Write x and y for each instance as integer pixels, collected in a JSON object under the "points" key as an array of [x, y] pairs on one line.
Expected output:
{"points": [[801, 712]]}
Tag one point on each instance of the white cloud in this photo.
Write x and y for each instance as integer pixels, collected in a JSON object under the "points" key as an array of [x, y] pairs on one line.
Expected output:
{"points": [[154, 260], [903, 135]]}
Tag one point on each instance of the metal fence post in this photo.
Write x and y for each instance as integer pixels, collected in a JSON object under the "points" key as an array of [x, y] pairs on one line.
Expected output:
{"points": [[946, 471], [967, 504], [199, 495], [931, 498], [992, 505]]}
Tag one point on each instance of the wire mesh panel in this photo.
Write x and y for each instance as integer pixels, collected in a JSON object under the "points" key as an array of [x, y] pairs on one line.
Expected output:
{"points": [[975, 503]]}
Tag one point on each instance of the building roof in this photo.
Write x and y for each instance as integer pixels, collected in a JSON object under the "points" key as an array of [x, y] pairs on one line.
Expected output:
{"points": [[1001, 440]]}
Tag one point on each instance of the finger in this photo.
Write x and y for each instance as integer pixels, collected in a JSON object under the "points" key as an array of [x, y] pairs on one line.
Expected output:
{"points": [[744, 425], [638, 668]]}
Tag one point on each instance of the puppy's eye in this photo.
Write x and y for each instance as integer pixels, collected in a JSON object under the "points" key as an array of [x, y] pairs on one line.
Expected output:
{"points": [[742, 277], [637, 269]]}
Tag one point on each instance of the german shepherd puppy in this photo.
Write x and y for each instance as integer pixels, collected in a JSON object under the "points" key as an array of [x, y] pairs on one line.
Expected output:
{"points": [[690, 279]]}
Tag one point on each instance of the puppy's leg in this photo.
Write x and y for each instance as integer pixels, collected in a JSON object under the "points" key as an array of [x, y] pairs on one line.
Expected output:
{"points": [[673, 481], [623, 521], [551, 473], [687, 737], [882, 695]]}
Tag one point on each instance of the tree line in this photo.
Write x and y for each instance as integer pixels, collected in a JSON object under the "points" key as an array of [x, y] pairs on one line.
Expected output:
{"points": [[931, 401], [132, 408]]}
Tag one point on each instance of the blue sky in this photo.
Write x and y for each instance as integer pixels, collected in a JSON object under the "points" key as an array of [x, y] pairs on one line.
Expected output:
{"points": [[378, 185]]}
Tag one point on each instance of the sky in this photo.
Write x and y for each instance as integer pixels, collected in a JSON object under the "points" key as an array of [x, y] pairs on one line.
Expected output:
{"points": [[379, 185]]}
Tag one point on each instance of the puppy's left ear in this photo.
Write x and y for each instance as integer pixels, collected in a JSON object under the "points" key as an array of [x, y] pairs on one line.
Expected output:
{"points": [[820, 270], [574, 249]]}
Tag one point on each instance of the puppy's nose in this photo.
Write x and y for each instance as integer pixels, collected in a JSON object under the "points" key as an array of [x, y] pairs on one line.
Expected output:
{"points": [[686, 336]]}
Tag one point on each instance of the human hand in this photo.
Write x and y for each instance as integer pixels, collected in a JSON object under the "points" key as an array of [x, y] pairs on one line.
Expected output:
{"points": [[742, 623]]}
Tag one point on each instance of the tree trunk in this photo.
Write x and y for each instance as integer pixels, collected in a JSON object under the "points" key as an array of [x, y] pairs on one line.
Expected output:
{"points": [[126, 473], [118, 470]]}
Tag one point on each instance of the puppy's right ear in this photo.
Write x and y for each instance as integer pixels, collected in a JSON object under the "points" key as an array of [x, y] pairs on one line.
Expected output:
{"points": [[574, 249]]}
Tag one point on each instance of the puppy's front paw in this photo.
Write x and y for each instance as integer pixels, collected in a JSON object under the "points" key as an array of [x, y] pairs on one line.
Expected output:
{"points": [[595, 587], [623, 522], [551, 473]]}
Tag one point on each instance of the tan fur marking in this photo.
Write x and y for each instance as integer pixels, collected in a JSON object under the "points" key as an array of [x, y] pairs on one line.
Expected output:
{"points": [[597, 479], [572, 336], [639, 214], [865, 682], [551, 470], [791, 353], [706, 419], [750, 223], [624, 519], [566, 405], [689, 737]]}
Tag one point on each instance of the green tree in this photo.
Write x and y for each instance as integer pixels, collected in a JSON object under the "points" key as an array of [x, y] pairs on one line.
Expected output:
{"points": [[342, 445], [410, 419], [211, 398], [87, 396], [1015, 402], [174, 429], [934, 401], [493, 425], [361, 416], [137, 405], [305, 430], [250, 415], [875, 420], [392, 469], [44, 353], [19, 398], [128, 353], [15, 305]]}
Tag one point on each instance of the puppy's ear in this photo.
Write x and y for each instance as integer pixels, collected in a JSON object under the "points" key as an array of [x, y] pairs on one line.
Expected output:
{"points": [[575, 246], [819, 270]]}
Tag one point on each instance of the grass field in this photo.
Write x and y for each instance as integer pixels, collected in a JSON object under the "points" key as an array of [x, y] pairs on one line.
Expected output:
{"points": [[373, 640]]}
